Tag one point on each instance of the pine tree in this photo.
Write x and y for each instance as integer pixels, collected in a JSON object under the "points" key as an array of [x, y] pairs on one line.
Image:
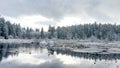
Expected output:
{"points": [[18, 31], [2, 21], [42, 33], [51, 32], [5, 31], [58, 33]]}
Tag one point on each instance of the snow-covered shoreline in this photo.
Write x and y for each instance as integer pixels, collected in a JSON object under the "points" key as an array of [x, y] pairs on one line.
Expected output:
{"points": [[100, 47], [16, 40]]}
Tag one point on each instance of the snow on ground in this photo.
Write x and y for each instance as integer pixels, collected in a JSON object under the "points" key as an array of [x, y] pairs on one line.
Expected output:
{"points": [[74, 45], [43, 43], [16, 40], [90, 47]]}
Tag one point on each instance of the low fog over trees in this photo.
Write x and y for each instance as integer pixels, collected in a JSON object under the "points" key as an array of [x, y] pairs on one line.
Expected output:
{"points": [[87, 31]]}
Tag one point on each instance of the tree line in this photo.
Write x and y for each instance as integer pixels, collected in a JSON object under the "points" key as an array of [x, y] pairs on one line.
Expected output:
{"points": [[99, 31], [9, 30]]}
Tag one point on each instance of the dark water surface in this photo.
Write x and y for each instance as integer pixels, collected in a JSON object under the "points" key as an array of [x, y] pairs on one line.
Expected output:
{"points": [[33, 56]]}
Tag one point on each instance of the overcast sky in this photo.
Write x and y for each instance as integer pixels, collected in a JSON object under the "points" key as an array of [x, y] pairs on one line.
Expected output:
{"points": [[41, 13]]}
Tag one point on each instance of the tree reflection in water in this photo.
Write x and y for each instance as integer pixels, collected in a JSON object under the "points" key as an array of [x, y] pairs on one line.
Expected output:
{"points": [[7, 50], [13, 49], [93, 56]]}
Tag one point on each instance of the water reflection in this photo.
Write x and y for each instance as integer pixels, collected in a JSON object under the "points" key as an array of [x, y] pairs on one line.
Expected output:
{"points": [[93, 56], [33, 56]]}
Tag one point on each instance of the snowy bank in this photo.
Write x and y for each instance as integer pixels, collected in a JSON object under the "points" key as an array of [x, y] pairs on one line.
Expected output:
{"points": [[16, 40], [88, 47], [72, 45]]}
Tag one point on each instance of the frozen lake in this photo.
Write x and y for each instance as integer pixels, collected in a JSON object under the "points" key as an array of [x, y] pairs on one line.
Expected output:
{"points": [[33, 56]]}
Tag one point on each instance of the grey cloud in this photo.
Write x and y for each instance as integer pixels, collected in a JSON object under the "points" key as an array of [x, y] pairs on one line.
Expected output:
{"points": [[57, 9], [46, 23]]}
